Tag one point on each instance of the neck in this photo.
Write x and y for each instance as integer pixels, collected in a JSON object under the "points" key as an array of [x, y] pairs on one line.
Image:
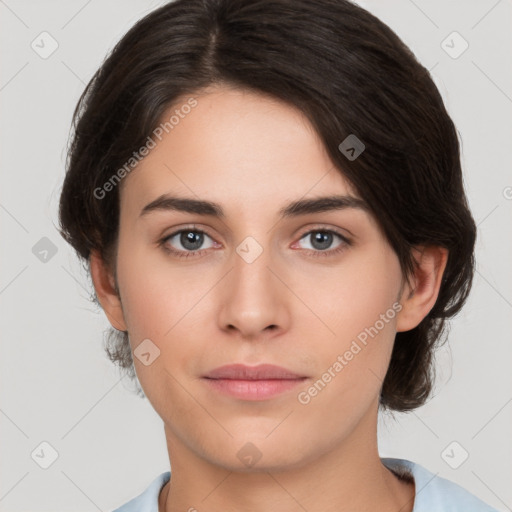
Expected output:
{"points": [[348, 476]]}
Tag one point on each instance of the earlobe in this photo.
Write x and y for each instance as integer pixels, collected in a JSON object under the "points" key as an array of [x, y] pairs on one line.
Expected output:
{"points": [[420, 294], [104, 284]]}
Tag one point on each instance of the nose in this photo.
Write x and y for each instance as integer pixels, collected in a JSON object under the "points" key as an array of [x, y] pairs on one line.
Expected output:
{"points": [[254, 298]]}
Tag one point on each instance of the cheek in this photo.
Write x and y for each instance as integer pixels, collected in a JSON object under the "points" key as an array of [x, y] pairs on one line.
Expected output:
{"points": [[159, 299], [166, 305], [360, 307], [156, 296], [351, 371], [162, 304], [354, 296]]}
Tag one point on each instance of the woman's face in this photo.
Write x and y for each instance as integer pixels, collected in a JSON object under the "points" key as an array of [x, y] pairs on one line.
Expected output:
{"points": [[257, 288]]}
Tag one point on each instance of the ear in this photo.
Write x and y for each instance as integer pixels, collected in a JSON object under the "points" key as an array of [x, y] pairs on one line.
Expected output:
{"points": [[419, 296], [105, 287]]}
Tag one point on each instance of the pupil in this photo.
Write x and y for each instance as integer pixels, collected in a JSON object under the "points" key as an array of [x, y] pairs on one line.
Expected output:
{"points": [[322, 240], [191, 240]]}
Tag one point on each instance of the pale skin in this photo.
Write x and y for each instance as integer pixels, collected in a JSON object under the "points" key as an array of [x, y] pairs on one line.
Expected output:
{"points": [[253, 155]]}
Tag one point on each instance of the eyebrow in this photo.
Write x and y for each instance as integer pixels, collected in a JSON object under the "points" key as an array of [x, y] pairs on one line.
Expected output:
{"points": [[294, 209]]}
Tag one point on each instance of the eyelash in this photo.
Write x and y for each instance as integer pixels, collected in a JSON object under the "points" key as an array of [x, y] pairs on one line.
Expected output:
{"points": [[194, 229]]}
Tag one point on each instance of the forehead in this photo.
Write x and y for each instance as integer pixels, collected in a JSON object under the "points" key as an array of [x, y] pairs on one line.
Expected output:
{"points": [[235, 146]]}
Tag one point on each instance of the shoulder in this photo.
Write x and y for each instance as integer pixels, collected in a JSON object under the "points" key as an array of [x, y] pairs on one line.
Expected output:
{"points": [[436, 493], [147, 501], [432, 492]]}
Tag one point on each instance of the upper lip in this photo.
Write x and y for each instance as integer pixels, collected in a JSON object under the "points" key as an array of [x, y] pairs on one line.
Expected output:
{"points": [[259, 372]]}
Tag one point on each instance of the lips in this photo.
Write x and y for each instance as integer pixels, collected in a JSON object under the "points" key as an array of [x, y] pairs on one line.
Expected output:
{"points": [[259, 372], [252, 383]]}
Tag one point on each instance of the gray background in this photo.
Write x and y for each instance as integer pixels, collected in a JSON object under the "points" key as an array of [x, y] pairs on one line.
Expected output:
{"points": [[57, 386]]}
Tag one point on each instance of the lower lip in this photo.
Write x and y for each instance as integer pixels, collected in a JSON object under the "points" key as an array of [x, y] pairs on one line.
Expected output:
{"points": [[253, 389]]}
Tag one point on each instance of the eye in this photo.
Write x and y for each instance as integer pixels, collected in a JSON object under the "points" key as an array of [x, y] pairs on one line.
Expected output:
{"points": [[188, 242], [321, 241], [191, 241]]}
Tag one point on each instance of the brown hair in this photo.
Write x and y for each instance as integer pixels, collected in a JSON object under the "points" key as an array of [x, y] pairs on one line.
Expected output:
{"points": [[349, 73]]}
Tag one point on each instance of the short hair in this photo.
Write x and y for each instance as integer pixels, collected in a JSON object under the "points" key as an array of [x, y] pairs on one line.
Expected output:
{"points": [[349, 74]]}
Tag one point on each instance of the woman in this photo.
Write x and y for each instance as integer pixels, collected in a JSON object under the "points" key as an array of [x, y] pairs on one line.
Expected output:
{"points": [[269, 198]]}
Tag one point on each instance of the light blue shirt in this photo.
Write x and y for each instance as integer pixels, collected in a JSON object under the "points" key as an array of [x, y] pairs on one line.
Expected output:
{"points": [[433, 493]]}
